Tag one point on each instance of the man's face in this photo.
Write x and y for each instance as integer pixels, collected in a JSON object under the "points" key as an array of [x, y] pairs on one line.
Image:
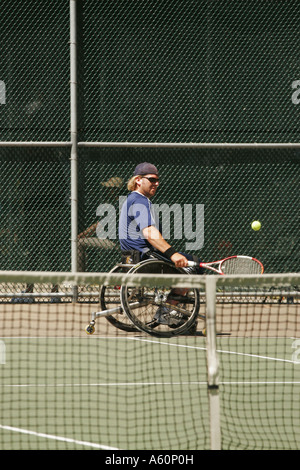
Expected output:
{"points": [[147, 184]]}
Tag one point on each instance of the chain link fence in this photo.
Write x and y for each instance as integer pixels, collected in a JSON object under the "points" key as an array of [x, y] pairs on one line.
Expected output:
{"points": [[150, 71], [34, 67], [35, 209]]}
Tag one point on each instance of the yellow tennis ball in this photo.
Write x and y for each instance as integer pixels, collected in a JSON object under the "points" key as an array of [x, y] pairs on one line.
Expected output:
{"points": [[256, 225]]}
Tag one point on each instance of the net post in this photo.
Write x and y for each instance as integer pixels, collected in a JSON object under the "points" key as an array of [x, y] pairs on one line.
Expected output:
{"points": [[212, 364]]}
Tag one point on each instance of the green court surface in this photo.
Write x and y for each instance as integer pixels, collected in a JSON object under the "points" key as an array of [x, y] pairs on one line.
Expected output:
{"points": [[131, 391], [260, 393], [104, 392]]}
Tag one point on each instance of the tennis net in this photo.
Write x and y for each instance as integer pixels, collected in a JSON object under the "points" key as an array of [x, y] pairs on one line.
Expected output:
{"points": [[233, 383]]}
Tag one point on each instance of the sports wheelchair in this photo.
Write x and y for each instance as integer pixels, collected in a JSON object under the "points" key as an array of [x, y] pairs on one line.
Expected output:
{"points": [[160, 312]]}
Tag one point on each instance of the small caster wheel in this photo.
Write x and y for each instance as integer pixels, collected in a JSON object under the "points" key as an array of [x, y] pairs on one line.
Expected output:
{"points": [[90, 329]]}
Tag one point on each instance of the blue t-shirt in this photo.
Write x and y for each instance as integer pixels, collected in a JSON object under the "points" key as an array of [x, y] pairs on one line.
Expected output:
{"points": [[136, 214]]}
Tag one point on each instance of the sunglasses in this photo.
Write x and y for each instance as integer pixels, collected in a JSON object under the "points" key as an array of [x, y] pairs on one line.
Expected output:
{"points": [[152, 180]]}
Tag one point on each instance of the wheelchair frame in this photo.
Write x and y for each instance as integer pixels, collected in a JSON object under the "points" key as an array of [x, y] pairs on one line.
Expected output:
{"points": [[140, 309]]}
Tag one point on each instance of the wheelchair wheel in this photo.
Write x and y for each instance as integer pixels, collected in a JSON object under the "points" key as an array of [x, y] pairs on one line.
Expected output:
{"points": [[152, 309], [110, 298]]}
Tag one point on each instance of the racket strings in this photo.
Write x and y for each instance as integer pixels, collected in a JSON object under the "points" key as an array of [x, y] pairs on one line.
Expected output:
{"points": [[241, 266]]}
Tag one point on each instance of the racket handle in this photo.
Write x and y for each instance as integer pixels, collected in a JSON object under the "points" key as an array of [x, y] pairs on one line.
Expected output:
{"points": [[192, 264]]}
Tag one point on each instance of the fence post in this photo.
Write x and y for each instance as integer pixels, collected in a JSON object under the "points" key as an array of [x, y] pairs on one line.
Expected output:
{"points": [[73, 127], [212, 364]]}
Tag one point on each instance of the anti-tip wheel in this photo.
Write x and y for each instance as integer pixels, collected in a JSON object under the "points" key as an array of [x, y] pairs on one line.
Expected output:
{"points": [[89, 329]]}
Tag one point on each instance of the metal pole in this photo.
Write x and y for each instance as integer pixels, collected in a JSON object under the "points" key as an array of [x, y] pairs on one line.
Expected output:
{"points": [[212, 364], [190, 145], [73, 136], [34, 144]]}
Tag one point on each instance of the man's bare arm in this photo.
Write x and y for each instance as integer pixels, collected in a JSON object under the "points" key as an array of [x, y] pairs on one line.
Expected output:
{"points": [[156, 239]]}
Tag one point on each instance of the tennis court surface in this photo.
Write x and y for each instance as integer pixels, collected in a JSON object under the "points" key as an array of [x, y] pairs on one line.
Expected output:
{"points": [[63, 389]]}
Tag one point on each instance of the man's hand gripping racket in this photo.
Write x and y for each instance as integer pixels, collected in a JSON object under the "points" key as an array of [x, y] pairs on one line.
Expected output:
{"points": [[233, 265]]}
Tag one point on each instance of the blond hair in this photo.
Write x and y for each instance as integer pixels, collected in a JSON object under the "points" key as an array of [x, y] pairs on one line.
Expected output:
{"points": [[131, 185]]}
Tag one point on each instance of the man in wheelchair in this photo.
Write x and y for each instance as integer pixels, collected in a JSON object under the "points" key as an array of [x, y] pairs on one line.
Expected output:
{"points": [[140, 237]]}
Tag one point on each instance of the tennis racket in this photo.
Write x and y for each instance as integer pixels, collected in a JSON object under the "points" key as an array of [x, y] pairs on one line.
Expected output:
{"points": [[233, 265]]}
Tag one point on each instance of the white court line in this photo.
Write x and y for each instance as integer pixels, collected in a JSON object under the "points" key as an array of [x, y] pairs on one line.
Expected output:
{"points": [[258, 356], [109, 384], [219, 351], [57, 438], [149, 384], [268, 382], [172, 344], [167, 344]]}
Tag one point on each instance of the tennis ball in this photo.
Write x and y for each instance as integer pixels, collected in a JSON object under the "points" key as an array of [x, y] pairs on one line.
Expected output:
{"points": [[256, 225]]}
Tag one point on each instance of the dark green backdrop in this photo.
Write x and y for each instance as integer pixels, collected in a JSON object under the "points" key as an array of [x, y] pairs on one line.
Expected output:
{"points": [[151, 71]]}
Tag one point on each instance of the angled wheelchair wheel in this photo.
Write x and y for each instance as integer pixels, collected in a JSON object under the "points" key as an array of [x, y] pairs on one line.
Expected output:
{"points": [[160, 311], [110, 298]]}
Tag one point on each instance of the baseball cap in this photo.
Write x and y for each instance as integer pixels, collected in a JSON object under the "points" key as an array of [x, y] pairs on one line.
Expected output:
{"points": [[145, 169]]}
